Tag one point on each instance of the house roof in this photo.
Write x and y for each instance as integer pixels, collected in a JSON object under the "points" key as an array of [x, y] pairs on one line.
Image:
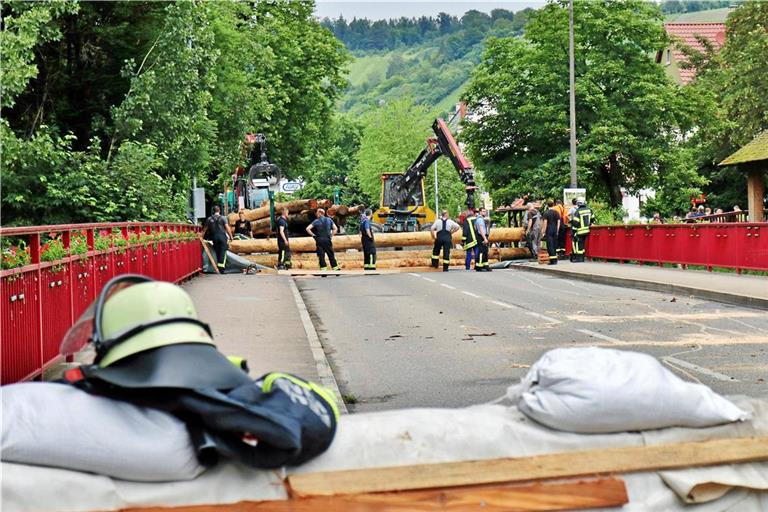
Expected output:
{"points": [[753, 152], [687, 33]]}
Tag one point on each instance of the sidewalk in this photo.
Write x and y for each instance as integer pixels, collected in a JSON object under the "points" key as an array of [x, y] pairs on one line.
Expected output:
{"points": [[263, 319], [742, 290]]}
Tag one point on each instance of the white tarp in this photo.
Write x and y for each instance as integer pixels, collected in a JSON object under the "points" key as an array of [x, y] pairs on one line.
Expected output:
{"points": [[411, 436]]}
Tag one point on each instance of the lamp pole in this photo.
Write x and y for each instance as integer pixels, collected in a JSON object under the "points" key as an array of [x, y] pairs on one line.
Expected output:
{"points": [[572, 79]]}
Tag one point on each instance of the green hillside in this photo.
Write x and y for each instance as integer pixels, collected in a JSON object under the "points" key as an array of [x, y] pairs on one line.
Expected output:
{"points": [[422, 73], [710, 16]]}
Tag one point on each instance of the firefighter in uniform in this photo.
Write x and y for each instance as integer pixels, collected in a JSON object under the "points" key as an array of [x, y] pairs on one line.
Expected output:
{"points": [[220, 233], [369, 245], [442, 233], [283, 245], [325, 230], [581, 220], [550, 228], [482, 227], [469, 238]]}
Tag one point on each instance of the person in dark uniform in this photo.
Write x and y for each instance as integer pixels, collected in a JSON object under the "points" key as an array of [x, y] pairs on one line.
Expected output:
{"points": [[482, 227], [581, 220], [242, 226], [550, 228], [218, 228], [283, 245], [442, 233], [469, 238], [322, 229], [369, 245]]}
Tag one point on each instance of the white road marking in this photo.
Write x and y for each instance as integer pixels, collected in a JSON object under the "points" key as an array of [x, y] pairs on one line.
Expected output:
{"points": [[503, 304], [448, 286], [698, 369], [598, 335], [430, 280], [414, 275], [471, 294], [543, 317]]}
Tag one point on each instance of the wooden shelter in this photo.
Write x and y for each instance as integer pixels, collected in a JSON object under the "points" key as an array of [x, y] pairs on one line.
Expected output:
{"points": [[753, 158]]}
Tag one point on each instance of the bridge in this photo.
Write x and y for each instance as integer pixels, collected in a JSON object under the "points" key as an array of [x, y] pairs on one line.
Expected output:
{"points": [[55, 281]]}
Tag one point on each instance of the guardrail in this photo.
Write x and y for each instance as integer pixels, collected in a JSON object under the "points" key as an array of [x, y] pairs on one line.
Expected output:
{"points": [[741, 246], [42, 299]]}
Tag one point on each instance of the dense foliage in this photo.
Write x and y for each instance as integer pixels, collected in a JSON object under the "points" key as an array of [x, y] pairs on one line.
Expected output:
{"points": [[629, 115], [683, 6], [733, 89], [364, 34], [110, 109]]}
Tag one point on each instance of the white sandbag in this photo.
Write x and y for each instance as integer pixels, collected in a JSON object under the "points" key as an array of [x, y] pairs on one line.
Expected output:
{"points": [[58, 425], [599, 390]]}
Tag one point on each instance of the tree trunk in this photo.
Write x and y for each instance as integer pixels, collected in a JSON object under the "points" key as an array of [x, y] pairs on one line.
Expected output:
{"points": [[344, 242], [610, 172]]}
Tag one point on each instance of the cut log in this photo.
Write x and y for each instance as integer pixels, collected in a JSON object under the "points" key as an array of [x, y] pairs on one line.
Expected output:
{"points": [[344, 242], [539, 467], [263, 211], [385, 259]]}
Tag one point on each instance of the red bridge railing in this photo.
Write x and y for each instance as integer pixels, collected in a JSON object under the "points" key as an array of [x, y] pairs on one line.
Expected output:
{"points": [[42, 299], [738, 245]]}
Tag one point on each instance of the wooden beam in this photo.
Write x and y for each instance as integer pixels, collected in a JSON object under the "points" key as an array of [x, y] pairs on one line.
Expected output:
{"points": [[540, 467], [214, 261], [544, 496]]}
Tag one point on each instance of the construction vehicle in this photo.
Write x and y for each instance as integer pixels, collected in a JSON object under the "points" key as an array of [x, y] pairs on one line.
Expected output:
{"points": [[402, 205], [251, 188]]}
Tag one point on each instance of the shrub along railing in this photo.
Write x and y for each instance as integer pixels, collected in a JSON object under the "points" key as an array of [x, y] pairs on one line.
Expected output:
{"points": [[741, 246], [51, 274]]}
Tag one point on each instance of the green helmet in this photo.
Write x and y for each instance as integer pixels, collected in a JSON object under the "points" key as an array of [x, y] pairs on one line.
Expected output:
{"points": [[148, 305], [147, 335]]}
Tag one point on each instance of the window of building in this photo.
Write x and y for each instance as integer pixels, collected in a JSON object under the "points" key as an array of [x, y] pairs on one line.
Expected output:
{"points": [[669, 56]]}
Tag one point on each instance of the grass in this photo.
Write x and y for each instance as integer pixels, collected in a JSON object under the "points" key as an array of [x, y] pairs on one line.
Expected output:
{"points": [[349, 398]]}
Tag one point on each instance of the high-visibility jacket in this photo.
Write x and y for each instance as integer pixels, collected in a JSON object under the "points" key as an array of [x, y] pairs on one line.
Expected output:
{"points": [[582, 219], [560, 209], [469, 235]]}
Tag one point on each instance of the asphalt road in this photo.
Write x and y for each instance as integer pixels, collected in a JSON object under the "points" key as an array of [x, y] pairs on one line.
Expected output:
{"points": [[460, 338]]}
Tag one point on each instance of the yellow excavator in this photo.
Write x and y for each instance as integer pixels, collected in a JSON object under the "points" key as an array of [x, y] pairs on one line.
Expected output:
{"points": [[402, 205]]}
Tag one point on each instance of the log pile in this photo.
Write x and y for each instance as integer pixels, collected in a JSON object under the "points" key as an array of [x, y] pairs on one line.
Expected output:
{"points": [[301, 213], [385, 259], [345, 242]]}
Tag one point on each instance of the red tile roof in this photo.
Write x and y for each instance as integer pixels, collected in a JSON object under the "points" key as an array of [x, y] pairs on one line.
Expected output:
{"points": [[687, 34]]}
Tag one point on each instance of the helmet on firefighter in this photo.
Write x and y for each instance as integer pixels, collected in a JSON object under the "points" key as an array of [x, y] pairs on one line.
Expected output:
{"points": [[580, 201], [147, 333]]}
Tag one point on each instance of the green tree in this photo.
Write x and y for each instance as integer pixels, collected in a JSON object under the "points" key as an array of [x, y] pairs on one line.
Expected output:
{"points": [[629, 115]]}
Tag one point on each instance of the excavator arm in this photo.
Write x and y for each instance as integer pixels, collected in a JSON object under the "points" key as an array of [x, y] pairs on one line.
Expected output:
{"points": [[442, 143]]}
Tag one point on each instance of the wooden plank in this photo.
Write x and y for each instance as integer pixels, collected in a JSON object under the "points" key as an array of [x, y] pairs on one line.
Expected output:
{"points": [[210, 256], [543, 496], [519, 469]]}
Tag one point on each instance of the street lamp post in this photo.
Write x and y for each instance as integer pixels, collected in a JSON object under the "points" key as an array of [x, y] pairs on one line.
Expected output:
{"points": [[572, 79]]}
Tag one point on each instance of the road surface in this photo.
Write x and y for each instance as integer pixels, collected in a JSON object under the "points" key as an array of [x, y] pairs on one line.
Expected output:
{"points": [[460, 338]]}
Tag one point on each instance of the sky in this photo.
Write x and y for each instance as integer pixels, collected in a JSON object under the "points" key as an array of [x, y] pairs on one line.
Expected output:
{"points": [[383, 9]]}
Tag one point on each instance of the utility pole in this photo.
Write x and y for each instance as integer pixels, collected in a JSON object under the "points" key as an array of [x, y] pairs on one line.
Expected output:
{"points": [[437, 200], [572, 78]]}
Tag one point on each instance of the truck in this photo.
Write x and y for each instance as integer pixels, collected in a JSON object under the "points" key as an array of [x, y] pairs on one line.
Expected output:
{"points": [[402, 206]]}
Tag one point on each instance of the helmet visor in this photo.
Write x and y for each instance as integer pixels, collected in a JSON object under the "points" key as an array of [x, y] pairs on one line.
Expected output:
{"points": [[82, 331]]}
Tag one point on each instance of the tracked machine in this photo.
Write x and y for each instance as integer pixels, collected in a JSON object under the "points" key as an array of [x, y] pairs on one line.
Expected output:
{"points": [[402, 206]]}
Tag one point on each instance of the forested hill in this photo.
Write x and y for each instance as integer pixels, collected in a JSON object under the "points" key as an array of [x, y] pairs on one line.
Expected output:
{"points": [[430, 59]]}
